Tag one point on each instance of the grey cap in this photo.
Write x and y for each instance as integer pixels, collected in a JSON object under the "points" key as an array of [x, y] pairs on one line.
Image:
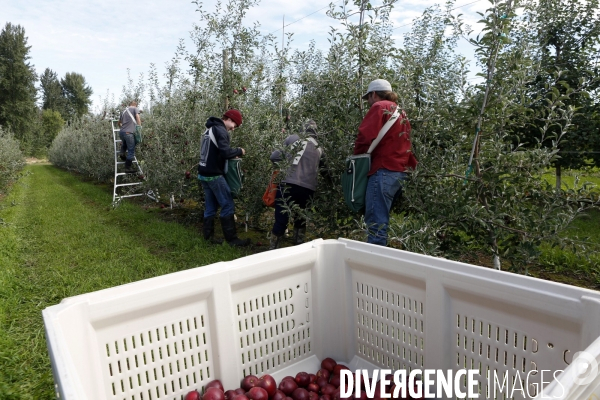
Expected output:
{"points": [[309, 127], [378, 85]]}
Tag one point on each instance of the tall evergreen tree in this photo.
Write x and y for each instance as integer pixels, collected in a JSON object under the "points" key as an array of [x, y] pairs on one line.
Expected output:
{"points": [[17, 81], [77, 94], [52, 93]]}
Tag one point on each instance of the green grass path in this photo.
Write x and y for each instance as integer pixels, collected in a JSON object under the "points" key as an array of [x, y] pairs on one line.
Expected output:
{"points": [[59, 238]]}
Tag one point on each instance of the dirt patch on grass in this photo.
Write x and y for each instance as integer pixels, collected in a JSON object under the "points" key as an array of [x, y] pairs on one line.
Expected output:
{"points": [[39, 161], [575, 278], [561, 275]]}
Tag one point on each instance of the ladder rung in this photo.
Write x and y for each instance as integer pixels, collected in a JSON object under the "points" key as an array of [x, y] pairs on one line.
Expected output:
{"points": [[128, 184], [126, 173], [130, 195], [121, 162]]}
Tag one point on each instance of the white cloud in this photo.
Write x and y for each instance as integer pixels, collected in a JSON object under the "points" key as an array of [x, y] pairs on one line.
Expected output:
{"points": [[102, 38]]}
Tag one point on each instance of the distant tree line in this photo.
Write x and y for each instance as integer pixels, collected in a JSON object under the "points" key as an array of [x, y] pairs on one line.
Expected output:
{"points": [[62, 100]]}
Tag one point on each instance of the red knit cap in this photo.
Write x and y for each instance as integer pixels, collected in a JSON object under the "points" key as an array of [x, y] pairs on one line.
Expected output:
{"points": [[234, 115]]}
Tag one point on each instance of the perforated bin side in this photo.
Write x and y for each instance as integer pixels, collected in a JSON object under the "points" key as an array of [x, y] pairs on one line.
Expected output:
{"points": [[472, 317], [157, 355], [154, 339], [390, 321], [272, 313]]}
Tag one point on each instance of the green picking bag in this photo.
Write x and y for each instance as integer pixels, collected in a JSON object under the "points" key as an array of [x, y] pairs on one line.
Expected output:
{"points": [[234, 176], [356, 174], [137, 135], [354, 181]]}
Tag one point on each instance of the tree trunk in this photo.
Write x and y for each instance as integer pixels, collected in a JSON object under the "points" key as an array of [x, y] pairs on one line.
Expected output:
{"points": [[225, 83]]}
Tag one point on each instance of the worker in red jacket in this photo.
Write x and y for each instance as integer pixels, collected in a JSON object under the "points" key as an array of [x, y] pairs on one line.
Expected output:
{"points": [[389, 160]]}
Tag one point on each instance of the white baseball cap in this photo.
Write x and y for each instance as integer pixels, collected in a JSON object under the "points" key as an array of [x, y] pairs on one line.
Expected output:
{"points": [[378, 85]]}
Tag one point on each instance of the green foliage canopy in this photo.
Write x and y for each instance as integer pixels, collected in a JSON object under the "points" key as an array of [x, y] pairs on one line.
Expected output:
{"points": [[17, 81]]}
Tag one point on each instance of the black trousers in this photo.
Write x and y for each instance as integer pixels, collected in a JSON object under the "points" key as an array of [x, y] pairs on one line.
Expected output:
{"points": [[286, 194]]}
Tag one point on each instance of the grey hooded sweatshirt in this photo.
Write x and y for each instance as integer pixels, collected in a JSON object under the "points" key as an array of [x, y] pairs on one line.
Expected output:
{"points": [[305, 158]]}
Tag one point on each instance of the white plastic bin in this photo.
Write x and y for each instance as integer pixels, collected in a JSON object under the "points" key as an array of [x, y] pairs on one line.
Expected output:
{"points": [[283, 311]]}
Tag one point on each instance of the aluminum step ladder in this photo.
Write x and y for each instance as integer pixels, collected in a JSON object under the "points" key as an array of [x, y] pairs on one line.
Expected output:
{"points": [[131, 181]]}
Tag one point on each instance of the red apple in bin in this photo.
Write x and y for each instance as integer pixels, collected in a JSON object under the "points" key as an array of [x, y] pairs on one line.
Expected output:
{"points": [[300, 394], [279, 395], [313, 396], [416, 391], [302, 379], [215, 383], [230, 394], [249, 382], [335, 380], [193, 395], [240, 397], [322, 381], [329, 389], [377, 389], [213, 393], [389, 386], [338, 368], [328, 364], [268, 383], [324, 374], [313, 378], [313, 387], [324, 397], [257, 393], [288, 385], [240, 391], [363, 396]]}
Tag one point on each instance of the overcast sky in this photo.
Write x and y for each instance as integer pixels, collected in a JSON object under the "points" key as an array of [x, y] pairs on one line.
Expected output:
{"points": [[100, 39]]}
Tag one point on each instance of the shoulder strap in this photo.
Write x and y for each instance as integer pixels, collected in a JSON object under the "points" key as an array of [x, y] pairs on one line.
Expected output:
{"points": [[384, 130], [304, 144], [130, 115], [212, 136], [313, 141]]}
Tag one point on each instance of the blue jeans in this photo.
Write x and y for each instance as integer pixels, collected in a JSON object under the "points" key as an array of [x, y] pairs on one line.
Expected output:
{"points": [[217, 193], [382, 189], [127, 144]]}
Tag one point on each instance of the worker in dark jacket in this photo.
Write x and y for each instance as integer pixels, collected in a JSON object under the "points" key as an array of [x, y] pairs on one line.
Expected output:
{"points": [[214, 153]]}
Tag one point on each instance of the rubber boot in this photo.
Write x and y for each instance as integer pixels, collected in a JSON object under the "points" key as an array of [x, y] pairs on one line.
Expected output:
{"points": [[229, 231], [299, 234], [208, 230], [274, 241], [129, 169]]}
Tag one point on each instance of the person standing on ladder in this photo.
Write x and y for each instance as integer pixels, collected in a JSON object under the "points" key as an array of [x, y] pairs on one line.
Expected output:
{"points": [[215, 150], [128, 120]]}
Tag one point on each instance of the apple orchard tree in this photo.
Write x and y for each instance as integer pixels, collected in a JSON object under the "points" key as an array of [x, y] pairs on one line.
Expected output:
{"points": [[477, 188]]}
